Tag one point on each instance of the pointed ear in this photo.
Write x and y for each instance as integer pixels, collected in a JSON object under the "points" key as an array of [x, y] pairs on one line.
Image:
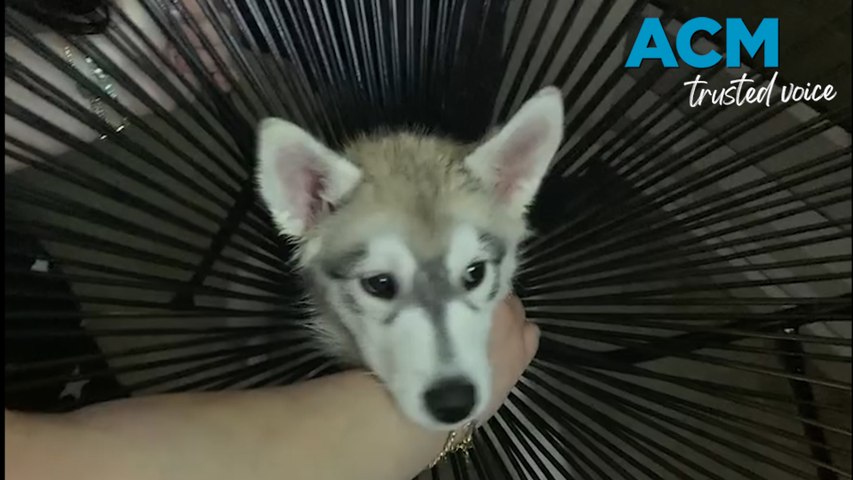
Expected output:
{"points": [[513, 161], [299, 178]]}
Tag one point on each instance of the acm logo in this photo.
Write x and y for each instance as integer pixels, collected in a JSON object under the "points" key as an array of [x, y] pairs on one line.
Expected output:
{"points": [[652, 43]]}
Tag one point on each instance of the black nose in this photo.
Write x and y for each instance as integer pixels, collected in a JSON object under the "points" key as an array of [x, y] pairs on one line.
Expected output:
{"points": [[450, 400]]}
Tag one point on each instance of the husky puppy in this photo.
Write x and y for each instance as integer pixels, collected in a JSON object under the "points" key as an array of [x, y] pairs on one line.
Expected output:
{"points": [[407, 243]]}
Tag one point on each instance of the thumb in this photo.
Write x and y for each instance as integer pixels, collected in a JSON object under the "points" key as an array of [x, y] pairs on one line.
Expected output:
{"points": [[531, 341]]}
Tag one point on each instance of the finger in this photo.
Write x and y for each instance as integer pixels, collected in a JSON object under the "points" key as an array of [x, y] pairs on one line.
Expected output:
{"points": [[207, 61], [221, 81], [518, 306], [195, 42], [178, 61], [517, 310], [531, 341], [193, 7]]}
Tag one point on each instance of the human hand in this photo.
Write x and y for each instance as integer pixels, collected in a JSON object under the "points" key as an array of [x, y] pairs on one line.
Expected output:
{"points": [[513, 344]]}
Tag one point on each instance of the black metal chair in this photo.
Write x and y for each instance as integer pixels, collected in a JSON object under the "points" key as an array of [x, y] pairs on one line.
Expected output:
{"points": [[689, 269]]}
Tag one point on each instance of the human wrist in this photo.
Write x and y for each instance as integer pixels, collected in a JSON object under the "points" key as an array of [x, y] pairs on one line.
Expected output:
{"points": [[425, 443], [460, 440]]}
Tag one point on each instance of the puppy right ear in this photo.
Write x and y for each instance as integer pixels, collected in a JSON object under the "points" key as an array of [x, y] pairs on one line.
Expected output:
{"points": [[514, 161], [299, 178]]}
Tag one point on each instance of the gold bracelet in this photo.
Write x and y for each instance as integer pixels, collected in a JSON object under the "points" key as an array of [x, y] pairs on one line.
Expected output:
{"points": [[106, 84], [461, 441]]}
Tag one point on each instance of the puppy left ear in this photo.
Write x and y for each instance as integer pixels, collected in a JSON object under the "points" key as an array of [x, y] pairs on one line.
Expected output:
{"points": [[514, 161], [299, 178]]}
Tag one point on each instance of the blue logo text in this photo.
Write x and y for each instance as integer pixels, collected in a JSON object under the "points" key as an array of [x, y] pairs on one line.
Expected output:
{"points": [[653, 44]]}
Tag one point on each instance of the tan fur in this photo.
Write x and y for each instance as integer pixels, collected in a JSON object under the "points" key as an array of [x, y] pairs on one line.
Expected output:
{"points": [[416, 185], [419, 214]]}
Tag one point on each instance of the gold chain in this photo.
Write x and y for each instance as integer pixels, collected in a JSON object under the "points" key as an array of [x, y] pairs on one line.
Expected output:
{"points": [[457, 442], [106, 84]]}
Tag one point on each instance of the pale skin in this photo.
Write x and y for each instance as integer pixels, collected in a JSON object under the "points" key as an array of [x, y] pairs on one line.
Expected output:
{"points": [[56, 44], [339, 427]]}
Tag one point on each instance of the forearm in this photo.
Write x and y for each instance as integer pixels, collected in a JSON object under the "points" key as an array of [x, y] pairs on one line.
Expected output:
{"points": [[339, 427]]}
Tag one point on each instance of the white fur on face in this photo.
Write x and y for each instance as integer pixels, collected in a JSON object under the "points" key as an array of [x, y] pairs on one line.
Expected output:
{"points": [[434, 329], [328, 202]]}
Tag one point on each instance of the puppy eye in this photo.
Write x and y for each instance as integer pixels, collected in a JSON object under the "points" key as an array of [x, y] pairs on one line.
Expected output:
{"points": [[474, 275], [380, 286]]}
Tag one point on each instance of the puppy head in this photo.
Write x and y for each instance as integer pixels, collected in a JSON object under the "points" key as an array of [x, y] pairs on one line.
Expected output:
{"points": [[409, 242]]}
